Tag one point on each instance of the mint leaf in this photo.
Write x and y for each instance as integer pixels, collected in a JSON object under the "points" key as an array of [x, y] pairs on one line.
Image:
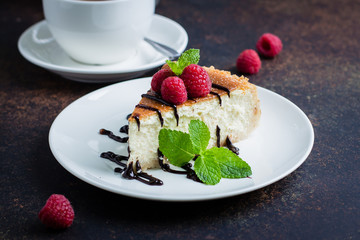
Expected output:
{"points": [[231, 165], [211, 164], [174, 66], [207, 169], [176, 146], [199, 135], [191, 56]]}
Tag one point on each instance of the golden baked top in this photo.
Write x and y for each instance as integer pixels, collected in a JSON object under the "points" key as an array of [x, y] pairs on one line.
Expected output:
{"points": [[218, 77]]}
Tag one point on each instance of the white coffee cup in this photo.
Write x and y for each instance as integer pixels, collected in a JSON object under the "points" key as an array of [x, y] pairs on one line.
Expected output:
{"points": [[99, 32]]}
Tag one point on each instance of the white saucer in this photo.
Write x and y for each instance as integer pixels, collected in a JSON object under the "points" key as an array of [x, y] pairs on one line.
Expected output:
{"points": [[50, 56]]}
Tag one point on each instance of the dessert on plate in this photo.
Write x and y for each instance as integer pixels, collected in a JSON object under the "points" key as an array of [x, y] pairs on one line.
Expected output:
{"points": [[226, 103]]}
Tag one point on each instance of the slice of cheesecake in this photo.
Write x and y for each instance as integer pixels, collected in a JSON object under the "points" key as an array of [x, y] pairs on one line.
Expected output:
{"points": [[231, 110]]}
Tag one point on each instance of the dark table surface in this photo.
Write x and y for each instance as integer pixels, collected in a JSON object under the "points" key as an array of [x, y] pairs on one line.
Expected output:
{"points": [[318, 70]]}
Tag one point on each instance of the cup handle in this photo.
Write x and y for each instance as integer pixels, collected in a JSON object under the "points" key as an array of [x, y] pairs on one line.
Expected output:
{"points": [[36, 38]]}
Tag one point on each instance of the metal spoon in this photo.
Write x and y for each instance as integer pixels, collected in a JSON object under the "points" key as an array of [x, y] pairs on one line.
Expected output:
{"points": [[167, 51]]}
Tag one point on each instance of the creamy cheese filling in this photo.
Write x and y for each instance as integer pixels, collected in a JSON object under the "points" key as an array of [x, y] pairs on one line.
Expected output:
{"points": [[236, 118]]}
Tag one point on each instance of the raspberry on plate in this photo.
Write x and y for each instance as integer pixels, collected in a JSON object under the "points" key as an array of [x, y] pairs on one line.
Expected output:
{"points": [[173, 90], [196, 80], [57, 212], [269, 45], [159, 77], [248, 62]]}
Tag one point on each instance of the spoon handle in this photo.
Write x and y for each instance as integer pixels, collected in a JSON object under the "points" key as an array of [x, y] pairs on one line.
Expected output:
{"points": [[167, 51]]}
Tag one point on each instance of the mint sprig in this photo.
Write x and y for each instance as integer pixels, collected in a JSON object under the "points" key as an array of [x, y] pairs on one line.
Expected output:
{"points": [[191, 56], [211, 164]]}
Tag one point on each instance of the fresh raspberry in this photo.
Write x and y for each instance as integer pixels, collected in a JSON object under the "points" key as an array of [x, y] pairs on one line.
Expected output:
{"points": [[173, 90], [248, 62], [196, 80], [159, 77], [57, 212], [269, 45]]}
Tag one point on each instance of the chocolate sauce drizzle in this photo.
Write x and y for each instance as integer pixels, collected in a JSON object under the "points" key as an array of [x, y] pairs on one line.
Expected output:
{"points": [[152, 109], [125, 129], [128, 171], [137, 174], [112, 136], [137, 121], [114, 158], [218, 95], [217, 86], [119, 170], [217, 136], [229, 144], [190, 173], [231, 147], [156, 98]]}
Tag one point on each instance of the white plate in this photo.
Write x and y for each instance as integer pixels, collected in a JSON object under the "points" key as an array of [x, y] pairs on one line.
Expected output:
{"points": [[276, 148], [49, 55]]}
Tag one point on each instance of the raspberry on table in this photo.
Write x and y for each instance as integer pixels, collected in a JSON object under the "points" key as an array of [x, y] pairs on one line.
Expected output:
{"points": [[248, 62], [159, 77], [196, 80], [269, 45], [57, 212], [173, 90]]}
